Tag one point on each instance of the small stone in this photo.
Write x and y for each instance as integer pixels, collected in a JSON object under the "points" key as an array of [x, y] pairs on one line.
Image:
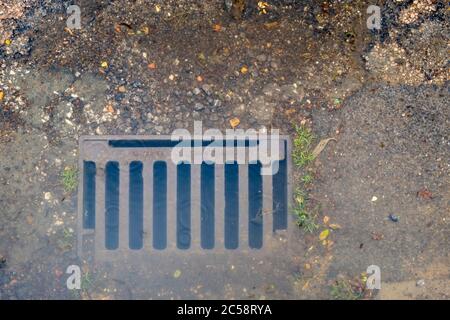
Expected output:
{"points": [[196, 91], [47, 196], [374, 198], [207, 89], [261, 57], [217, 103], [420, 283], [393, 218], [198, 106]]}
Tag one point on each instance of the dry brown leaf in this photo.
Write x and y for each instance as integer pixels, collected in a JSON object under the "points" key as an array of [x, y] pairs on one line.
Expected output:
{"points": [[326, 219], [425, 194], [319, 148], [335, 226]]}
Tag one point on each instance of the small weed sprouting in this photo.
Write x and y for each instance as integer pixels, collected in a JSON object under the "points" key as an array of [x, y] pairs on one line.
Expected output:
{"points": [[346, 290], [69, 179], [302, 154], [305, 219], [307, 178]]}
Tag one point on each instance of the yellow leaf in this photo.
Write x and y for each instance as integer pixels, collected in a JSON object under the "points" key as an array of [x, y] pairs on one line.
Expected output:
{"points": [[177, 274], [2, 95], [326, 219], [8, 42], [244, 70], [335, 226], [104, 64], [324, 234], [234, 122]]}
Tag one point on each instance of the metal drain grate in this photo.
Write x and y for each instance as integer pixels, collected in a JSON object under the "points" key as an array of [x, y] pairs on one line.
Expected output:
{"points": [[133, 198]]}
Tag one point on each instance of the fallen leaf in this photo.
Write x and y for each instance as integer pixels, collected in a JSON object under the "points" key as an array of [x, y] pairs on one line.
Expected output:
{"points": [[2, 95], [319, 148], [324, 234], [69, 31], [326, 219], [329, 244], [270, 26], [217, 27], [306, 285], [377, 236], [423, 193], [307, 266], [104, 64], [122, 89], [8, 42], [177, 274], [244, 70], [290, 111], [199, 78], [110, 108], [29, 219], [145, 29], [152, 66], [335, 226], [374, 199], [234, 122]]}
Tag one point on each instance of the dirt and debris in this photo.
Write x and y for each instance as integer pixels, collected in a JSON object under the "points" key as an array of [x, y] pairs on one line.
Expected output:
{"points": [[378, 101]]}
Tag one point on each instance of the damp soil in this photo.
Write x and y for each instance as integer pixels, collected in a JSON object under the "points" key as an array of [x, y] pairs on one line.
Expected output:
{"points": [[149, 67]]}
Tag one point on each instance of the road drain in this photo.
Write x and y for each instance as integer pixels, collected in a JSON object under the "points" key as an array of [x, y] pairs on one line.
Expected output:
{"points": [[134, 199]]}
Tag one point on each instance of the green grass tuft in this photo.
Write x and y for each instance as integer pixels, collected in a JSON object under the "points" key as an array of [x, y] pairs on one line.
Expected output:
{"points": [[70, 179], [344, 290], [305, 219], [302, 154]]}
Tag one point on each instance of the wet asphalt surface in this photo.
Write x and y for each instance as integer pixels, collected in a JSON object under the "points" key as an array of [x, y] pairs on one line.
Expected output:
{"points": [[149, 67]]}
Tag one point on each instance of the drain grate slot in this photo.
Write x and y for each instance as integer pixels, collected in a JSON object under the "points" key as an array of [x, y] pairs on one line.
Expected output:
{"points": [[134, 198], [255, 192], [159, 205], [112, 182], [207, 205], [280, 195], [89, 170], [183, 206], [231, 206]]}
